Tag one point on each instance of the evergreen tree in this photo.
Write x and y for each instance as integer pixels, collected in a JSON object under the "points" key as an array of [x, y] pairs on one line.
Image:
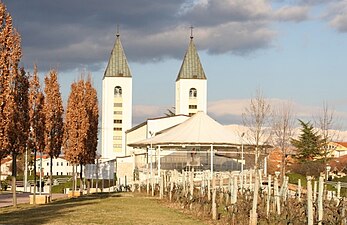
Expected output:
{"points": [[53, 110], [13, 94], [76, 126], [81, 126], [309, 143], [37, 119]]}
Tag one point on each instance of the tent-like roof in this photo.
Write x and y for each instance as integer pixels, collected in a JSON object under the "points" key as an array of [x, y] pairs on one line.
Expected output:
{"points": [[200, 129]]}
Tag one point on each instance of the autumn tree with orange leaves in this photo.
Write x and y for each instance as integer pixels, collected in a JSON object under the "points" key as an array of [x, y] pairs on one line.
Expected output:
{"points": [[37, 119], [54, 126], [14, 86], [81, 123]]}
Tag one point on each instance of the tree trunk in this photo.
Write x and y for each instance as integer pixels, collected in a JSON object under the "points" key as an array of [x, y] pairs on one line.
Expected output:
{"points": [[14, 173], [34, 199], [50, 177], [81, 178], [73, 180], [0, 176]]}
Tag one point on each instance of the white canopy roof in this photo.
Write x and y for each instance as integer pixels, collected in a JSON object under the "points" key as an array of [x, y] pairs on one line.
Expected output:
{"points": [[200, 129]]}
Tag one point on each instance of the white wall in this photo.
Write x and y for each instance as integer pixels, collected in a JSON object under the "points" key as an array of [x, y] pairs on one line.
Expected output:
{"points": [[60, 167], [182, 95], [108, 85]]}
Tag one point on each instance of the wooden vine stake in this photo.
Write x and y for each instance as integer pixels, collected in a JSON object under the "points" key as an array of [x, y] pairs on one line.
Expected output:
{"points": [[309, 202], [214, 205], [320, 199], [268, 196]]}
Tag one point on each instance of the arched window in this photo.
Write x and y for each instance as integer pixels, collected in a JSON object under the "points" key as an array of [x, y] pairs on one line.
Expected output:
{"points": [[193, 93], [118, 91]]}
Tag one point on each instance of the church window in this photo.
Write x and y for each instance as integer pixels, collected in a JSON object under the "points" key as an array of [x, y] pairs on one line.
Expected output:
{"points": [[117, 121], [117, 104], [193, 106], [118, 91], [117, 112], [117, 137], [193, 93], [117, 128]]}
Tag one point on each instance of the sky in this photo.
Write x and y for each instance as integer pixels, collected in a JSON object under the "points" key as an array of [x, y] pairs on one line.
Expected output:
{"points": [[291, 50]]}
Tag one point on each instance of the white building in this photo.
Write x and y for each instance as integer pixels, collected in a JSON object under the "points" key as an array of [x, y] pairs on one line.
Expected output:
{"points": [[191, 84], [191, 97], [61, 167], [116, 103]]}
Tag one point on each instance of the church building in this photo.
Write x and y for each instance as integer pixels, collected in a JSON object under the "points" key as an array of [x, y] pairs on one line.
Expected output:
{"points": [[117, 131]]}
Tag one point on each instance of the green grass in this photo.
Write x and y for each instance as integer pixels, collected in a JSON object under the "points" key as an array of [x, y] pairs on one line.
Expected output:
{"points": [[98, 209], [294, 177]]}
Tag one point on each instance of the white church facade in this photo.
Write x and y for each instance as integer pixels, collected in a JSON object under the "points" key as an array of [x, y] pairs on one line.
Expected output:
{"points": [[117, 130]]}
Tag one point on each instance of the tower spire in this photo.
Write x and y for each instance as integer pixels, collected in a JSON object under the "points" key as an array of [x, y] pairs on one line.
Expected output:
{"points": [[191, 32]]}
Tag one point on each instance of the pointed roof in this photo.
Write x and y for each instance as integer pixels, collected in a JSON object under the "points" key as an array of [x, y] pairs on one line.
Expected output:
{"points": [[191, 67], [199, 129], [117, 65]]}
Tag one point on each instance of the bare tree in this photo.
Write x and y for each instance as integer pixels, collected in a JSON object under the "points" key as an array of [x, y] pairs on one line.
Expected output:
{"points": [[257, 118], [283, 125], [37, 119], [53, 110], [325, 121]]}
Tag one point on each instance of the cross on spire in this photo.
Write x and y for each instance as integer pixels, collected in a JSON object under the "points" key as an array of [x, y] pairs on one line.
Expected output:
{"points": [[117, 31], [191, 32]]}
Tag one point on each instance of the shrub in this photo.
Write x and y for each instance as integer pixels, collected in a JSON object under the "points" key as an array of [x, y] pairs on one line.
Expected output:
{"points": [[4, 185], [308, 168]]}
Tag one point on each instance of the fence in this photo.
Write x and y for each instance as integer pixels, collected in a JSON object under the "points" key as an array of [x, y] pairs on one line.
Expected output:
{"points": [[230, 197]]}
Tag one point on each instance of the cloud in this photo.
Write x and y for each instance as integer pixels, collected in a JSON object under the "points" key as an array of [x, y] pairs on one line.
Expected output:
{"points": [[80, 33], [142, 112], [337, 16], [229, 111], [292, 13]]}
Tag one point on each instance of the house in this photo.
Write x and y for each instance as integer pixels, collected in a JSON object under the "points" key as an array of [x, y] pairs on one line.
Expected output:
{"points": [[337, 149]]}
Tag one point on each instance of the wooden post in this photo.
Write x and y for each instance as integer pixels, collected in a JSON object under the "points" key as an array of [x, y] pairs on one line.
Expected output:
{"points": [[184, 182], [299, 189], [253, 214], [343, 213], [191, 187], [268, 195], [338, 187], [214, 205], [152, 184], [277, 197], [161, 187], [320, 199], [314, 191], [171, 188], [250, 179], [147, 181], [221, 188], [235, 190], [209, 188], [309, 202]]}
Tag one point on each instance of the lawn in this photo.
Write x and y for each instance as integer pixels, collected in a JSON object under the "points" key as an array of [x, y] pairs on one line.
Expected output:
{"points": [[116, 208]]}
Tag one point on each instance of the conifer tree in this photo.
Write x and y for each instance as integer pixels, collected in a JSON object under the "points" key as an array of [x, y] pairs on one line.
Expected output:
{"points": [[93, 117], [309, 143], [13, 94], [81, 126], [37, 119], [53, 110], [76, 126]]}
